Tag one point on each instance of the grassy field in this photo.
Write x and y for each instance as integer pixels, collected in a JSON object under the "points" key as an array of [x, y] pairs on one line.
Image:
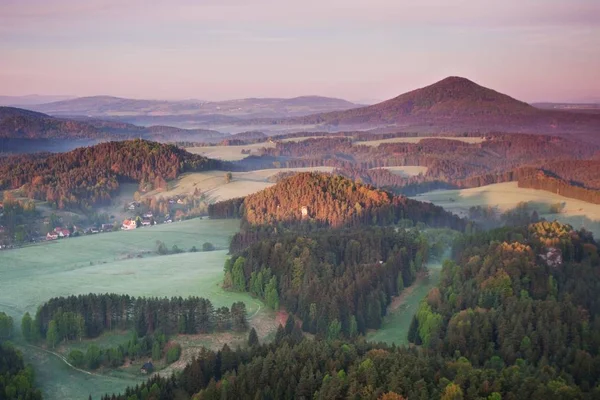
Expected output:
{"points": [[229, 153], [303, 138], [119, 262], [212, 183], [471, 140], [400, 312], [506, 196], [406, 171]]}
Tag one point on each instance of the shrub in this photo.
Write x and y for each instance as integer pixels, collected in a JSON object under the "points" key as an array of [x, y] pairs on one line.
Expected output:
{"points": [[77, 358], [173, 353]]}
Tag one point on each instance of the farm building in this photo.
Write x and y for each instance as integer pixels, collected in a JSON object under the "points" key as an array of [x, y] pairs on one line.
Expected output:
{"points": [[62, 232], [129, 224], [147, 368], [51, 236]]}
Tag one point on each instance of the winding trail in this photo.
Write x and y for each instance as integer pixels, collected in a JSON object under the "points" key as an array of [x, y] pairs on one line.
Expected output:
{"points": [[64, 360]]}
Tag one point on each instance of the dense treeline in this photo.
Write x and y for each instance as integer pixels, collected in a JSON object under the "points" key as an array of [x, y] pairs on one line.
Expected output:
{"points": [[374, 134], [75, 317], [156, 346], [335, 281], [296, 368], [549, 178], [6, 326], [444, 158], [329, 200], [543, 181], [89, 176], [16, 219], [450, 163], [16, 380], [226, 209], [520, 296]]}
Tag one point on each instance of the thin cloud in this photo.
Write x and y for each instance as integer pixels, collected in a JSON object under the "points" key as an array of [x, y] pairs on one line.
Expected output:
{"points": [[311, 12]]}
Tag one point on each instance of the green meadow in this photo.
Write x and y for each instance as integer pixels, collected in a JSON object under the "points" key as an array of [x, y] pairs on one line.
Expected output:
{"points": [[123, 262]]}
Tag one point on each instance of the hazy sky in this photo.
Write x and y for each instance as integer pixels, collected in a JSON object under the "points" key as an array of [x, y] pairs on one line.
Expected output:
{"points": [[356, 49]]}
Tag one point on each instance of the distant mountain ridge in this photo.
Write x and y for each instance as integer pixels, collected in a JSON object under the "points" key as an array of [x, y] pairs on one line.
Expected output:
{"points": [[103, 106], [31, 99], [454, 103]]}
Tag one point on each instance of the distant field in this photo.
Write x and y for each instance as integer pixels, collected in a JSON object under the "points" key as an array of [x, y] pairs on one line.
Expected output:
{"points": [[303, 138], [506, 196], [470, 140], [212, 183], [406, 171], [229, 153], [109, 263]]}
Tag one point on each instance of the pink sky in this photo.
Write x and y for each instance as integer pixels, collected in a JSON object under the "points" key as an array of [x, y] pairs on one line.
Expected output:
{"points": [[355, 49]]}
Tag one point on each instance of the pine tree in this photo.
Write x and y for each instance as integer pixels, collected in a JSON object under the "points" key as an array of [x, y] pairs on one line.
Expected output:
{"points": [[253, 338], [27, 327], [289, 324], [52, 334]]}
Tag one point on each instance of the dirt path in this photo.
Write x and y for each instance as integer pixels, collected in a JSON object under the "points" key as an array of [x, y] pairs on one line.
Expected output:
{"points": [[64, 360]]}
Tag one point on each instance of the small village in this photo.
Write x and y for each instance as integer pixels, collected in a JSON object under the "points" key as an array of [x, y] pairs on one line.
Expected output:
{"points": [[139, 214]]}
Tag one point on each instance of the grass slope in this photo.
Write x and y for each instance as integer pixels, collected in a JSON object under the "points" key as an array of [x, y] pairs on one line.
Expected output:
{"points": [[229, 153], [375, 143], [406, 171], [397, 322], [506, 196], [213, 184]]}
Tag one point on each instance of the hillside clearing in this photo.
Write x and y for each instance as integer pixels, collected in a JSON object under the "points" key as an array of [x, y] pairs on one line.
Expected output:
{"points": [[230, 153], [400, 312], [406, 171], [506, 196], [470, 140], [303, 138], [213, 185]]}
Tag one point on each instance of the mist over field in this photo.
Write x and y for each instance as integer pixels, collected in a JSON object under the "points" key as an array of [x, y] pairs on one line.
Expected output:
{"points": [[195, 203]]}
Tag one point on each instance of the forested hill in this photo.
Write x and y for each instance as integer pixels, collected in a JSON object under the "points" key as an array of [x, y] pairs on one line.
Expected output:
{"points": [[525, 297], [89, 176], [17, 123], [25, 124], [516, 316], [331, 200]]}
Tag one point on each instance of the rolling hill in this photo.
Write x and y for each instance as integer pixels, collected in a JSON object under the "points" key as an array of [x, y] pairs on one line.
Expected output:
{"points": [[330, 200], [24, 124], [28, 100], [456, 103], [17, 123], [89, 176]]}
